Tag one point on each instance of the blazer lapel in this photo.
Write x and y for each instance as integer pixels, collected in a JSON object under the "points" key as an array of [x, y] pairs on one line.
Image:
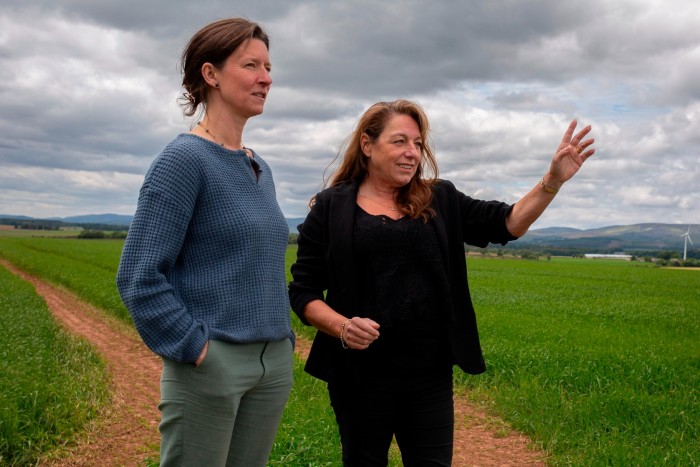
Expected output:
{"points": [[438, 223], [341, 220]]}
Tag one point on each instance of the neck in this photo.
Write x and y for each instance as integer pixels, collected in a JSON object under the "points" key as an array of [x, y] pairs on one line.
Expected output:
{"points": [[227, 132], [370, 188]]}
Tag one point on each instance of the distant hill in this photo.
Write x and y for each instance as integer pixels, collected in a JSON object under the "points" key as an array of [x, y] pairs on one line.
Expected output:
{"points": [[112, 219], [10, 216], [293, 222], [616, 237], [107, 219], [115, 219]]}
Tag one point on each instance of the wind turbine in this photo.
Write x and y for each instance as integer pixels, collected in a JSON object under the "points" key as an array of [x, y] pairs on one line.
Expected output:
{"points": [[685, 246]]}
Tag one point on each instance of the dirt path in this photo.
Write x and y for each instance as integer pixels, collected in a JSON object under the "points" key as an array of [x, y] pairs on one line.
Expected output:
{"points": [[129, 429]]}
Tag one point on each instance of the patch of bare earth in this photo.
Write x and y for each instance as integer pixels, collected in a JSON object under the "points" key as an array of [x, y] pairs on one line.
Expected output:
{"points": [[127, 434]]}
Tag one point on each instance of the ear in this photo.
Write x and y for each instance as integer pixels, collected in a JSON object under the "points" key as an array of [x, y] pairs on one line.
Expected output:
{"points": [[210, 74], [365, 144]]}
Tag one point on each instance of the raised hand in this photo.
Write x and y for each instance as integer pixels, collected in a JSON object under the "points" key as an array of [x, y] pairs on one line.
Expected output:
{"points": [[571, 154]]}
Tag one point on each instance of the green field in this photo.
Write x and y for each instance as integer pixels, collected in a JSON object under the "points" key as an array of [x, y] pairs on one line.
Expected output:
{"points": [[597, 361], [40, 233], [51, 383]]}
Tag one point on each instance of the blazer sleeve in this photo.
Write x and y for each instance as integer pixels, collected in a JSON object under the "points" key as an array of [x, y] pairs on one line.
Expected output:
{"points": [[482, 222], [310, 275]]}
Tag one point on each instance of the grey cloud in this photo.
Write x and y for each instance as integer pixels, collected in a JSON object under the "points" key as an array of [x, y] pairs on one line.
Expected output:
{"points": [[89, 96], [531, 101], [425, 47], [160, 18]]}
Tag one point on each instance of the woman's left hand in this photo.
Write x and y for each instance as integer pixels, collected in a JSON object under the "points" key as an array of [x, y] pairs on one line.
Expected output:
{"points": [[360, 333], [570, 155]]}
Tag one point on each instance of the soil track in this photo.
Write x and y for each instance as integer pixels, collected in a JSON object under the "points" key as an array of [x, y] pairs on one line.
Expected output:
{"points": [[128, 431]]}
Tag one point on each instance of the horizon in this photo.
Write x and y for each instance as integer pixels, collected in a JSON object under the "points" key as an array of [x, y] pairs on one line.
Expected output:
{"points": [[57, 218]]}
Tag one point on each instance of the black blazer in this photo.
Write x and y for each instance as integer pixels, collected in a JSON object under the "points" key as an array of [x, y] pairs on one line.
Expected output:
{"points": [[325, 263]]}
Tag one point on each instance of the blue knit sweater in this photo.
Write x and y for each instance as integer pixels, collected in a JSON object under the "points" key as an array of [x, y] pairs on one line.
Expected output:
{"points": [[205, 254]]}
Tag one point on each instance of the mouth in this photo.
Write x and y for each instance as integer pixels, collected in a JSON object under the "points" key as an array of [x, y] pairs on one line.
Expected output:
{"points": [[261, 95], [405, 166]]}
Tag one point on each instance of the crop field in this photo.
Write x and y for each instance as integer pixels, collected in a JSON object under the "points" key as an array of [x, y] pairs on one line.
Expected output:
{"points": [[51, 383], [29, 233], [596, 361], [86, 267]]}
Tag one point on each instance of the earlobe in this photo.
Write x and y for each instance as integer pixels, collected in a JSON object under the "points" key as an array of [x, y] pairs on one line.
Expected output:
{"points": [[209, 74]]}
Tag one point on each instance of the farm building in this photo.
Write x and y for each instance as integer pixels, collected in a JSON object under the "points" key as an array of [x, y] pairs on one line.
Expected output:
{"points": [[601, 256]]}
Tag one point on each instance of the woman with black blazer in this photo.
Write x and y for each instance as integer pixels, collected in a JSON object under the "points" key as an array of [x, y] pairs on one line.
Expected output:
{"points": [[381, 273]]}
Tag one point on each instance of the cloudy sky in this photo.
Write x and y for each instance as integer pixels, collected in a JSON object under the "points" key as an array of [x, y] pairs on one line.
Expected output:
{"points": [[89, 89]]}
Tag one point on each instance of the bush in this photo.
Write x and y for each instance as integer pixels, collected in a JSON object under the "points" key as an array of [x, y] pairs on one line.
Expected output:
{"points": [[91, 234], [529, 254]]}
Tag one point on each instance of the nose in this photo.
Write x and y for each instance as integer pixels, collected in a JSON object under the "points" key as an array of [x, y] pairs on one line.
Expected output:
{"points": [[265, 77], [413, 149]]}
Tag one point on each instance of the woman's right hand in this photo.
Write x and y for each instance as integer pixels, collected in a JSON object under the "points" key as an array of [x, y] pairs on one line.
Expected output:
{"points": [[200, 359], [359, 333]]}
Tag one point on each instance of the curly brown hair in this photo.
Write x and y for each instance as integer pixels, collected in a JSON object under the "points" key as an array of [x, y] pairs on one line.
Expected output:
{"points": [[414, 198], [213, 43]]}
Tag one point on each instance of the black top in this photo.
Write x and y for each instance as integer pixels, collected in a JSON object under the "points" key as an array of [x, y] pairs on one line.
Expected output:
{"points": [[325, 268], [401, 274], [400, 270]]}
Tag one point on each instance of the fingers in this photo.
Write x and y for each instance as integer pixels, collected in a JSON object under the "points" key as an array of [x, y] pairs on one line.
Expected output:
{"points": [[366, 325], [203, 354], [569, 132], [571, 153], [582, 149], [361, 332], [576, 146], [582, 146], [576, 140], [587, 154], [569, 137]]}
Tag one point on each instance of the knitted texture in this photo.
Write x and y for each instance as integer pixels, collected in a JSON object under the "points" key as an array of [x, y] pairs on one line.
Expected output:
{"points": [[205, 254]]}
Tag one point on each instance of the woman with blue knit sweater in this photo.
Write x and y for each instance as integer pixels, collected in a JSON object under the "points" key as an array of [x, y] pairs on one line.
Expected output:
{"points": [[202, 271]]}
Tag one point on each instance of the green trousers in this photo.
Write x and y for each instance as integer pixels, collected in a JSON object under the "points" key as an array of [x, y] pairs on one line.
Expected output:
{"points": [[226, 411]]}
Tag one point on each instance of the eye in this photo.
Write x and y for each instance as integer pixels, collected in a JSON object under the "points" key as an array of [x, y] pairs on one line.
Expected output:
{"points": [[419, 144], [398, 141]]}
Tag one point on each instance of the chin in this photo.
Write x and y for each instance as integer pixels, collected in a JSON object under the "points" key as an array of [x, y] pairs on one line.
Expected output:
{"points": [[255, 112]]}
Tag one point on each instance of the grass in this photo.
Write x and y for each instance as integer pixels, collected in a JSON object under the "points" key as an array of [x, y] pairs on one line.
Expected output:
{"points": [[308, 434], [300, 329], [86, 267], [596, 361], [51, 384]]}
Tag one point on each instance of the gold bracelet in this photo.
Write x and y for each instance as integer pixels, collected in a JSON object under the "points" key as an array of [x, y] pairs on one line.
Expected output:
{"points": [[342, 334], [548, 188]]}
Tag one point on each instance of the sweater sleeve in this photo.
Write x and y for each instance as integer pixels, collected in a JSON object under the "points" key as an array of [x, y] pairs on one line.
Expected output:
{"points": [[152, 247], [309, 273]]}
